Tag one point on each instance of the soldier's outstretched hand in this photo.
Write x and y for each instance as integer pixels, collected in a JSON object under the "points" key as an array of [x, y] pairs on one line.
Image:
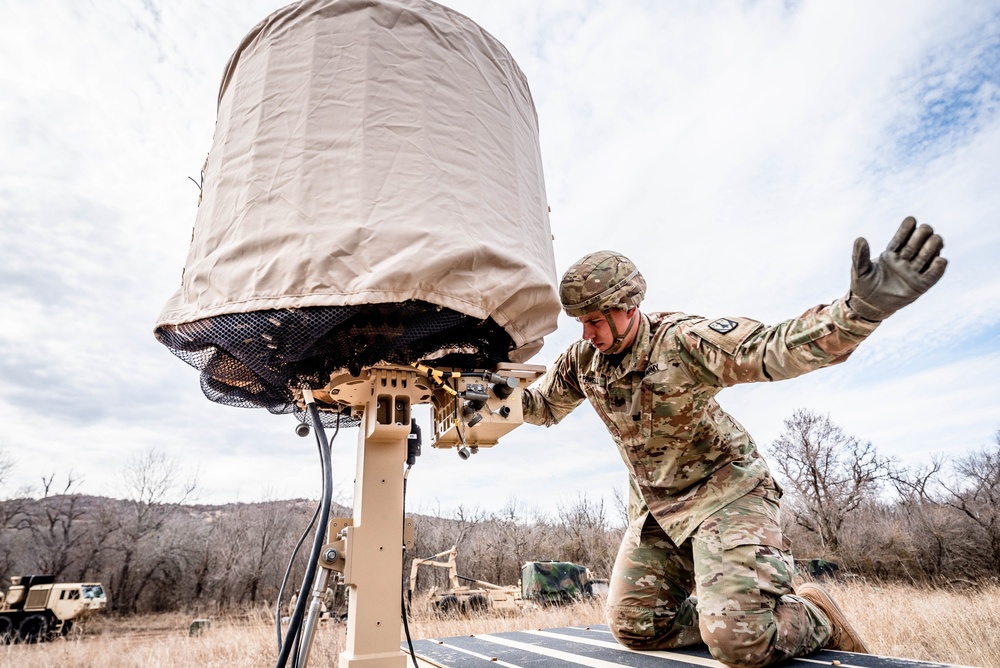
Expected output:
{"points": [[908, 268]]}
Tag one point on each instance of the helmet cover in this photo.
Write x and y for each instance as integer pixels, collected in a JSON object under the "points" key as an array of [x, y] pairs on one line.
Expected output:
{"points": [[601, 281]]}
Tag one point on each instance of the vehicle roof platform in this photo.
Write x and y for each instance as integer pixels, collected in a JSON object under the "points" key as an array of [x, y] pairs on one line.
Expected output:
{"points": [[595, 647]]}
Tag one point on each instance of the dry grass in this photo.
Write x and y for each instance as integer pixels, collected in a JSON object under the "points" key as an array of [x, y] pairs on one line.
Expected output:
{"points": [[427, 624], [159, 641], [946, 626], [956, 626]]}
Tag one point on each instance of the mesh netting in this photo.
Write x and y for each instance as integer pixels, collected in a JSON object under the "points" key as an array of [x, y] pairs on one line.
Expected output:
{"points": [[253, 359]]}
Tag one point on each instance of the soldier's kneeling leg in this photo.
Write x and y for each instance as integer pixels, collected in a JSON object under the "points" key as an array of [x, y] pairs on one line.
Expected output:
{"points": [[649, 602], [743, 571]]}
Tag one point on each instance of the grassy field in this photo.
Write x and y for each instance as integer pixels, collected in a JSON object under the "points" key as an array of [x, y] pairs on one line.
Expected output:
{"points": [[947, 626]]}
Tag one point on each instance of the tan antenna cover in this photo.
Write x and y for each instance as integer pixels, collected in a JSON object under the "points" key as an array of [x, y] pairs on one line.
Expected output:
{"points": [[373, 152]]}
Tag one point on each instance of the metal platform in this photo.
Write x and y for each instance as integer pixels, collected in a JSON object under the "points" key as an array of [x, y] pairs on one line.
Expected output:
{"points": [[593, 646]]}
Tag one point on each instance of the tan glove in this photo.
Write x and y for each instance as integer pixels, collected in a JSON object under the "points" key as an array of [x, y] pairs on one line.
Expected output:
{"points": [[907, 268]]}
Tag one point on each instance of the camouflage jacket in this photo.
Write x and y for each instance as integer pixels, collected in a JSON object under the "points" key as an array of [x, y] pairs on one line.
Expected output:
{"points": [[686, 456]]}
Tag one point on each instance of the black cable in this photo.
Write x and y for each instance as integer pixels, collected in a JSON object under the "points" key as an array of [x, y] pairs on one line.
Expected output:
{"points": [[295, 623], [288, 572], [402, 593], [294, 654], [406, 629]]}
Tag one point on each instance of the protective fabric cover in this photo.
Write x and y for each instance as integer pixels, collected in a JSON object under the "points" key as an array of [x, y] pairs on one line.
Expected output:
{"points": [[377, 158]]}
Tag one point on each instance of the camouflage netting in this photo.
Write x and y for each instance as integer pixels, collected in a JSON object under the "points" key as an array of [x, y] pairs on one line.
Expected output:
{"points": [[373, 193], [553, 581], [252, 360]]}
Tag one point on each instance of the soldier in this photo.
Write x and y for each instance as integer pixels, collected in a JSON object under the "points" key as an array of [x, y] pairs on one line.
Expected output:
{"points": [[704, 558]]}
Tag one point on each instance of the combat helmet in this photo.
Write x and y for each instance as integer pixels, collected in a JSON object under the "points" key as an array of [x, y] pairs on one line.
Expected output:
{"points": [[599, 282]]}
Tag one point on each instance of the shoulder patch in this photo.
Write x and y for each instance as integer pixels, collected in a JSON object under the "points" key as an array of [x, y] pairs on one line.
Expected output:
{"points": [[723, 325], [727, 334]]}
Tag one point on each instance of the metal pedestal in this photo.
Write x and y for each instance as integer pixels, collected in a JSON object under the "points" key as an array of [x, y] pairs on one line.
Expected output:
{"points": [[368, 548], [374, 544]]}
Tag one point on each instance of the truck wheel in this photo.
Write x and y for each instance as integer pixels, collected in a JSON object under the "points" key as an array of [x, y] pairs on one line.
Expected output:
{"points": [[449, 605], [6, 631], [33, 628], [67, 627], [478, 603]]}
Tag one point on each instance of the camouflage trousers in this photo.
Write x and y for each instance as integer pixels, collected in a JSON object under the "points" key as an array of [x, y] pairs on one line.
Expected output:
{"points": [[729, 586]]}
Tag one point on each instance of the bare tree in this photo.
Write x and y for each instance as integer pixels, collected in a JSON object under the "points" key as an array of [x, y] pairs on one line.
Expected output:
{"points": [[54, 526], [930, 525], [975, 492], [954, 513], [505, 539], [10, 509], [620, 503], [203, 567], [6, 465], [153, 494], [268, 527], [102, 525], [827, 473], [587, 536]]}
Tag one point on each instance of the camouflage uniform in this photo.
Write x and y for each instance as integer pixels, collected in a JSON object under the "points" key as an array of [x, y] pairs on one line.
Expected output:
{"points": [[703, 507]]}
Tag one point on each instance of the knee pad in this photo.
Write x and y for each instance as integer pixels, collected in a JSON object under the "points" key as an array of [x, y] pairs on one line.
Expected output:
{"points": [[741, 638], [642, 628], [632, 627]]}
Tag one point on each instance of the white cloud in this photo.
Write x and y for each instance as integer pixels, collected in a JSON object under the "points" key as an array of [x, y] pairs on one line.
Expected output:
{"points": [[733, 150]]}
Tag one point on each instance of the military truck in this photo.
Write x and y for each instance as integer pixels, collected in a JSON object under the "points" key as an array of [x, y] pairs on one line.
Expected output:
{"points": [[37, 608], [555, 582]]}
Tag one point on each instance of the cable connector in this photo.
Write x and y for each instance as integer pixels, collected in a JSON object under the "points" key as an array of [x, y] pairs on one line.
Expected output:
{"points": [[413, 443]]}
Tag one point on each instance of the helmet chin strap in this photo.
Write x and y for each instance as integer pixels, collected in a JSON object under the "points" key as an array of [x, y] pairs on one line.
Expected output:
{"points": [[616, 344]]}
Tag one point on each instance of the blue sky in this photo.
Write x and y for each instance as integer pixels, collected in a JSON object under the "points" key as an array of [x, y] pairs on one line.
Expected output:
{"points": [[955, 102], [733, 150]]}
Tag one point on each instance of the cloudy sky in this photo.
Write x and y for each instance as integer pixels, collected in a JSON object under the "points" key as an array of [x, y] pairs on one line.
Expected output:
{"points": [[733, 150]]}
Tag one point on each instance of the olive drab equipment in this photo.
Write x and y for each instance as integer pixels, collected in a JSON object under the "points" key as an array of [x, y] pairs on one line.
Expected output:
{"points": [[542, 583], [554, 582]]}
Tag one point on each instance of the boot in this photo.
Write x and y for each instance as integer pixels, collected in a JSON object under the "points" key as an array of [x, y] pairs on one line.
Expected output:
{"points": [[843, 637]]}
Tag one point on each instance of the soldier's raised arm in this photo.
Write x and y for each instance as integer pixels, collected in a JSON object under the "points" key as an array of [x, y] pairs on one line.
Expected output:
{"points": [[557, 394], [908, 268], [728, 351]]}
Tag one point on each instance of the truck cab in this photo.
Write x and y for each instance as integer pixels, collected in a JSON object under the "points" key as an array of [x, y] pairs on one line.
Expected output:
{"points": [[37, 608]]}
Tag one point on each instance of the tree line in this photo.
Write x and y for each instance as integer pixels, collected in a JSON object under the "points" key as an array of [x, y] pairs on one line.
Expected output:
{"points": [[155, 550], [936, 523]]}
